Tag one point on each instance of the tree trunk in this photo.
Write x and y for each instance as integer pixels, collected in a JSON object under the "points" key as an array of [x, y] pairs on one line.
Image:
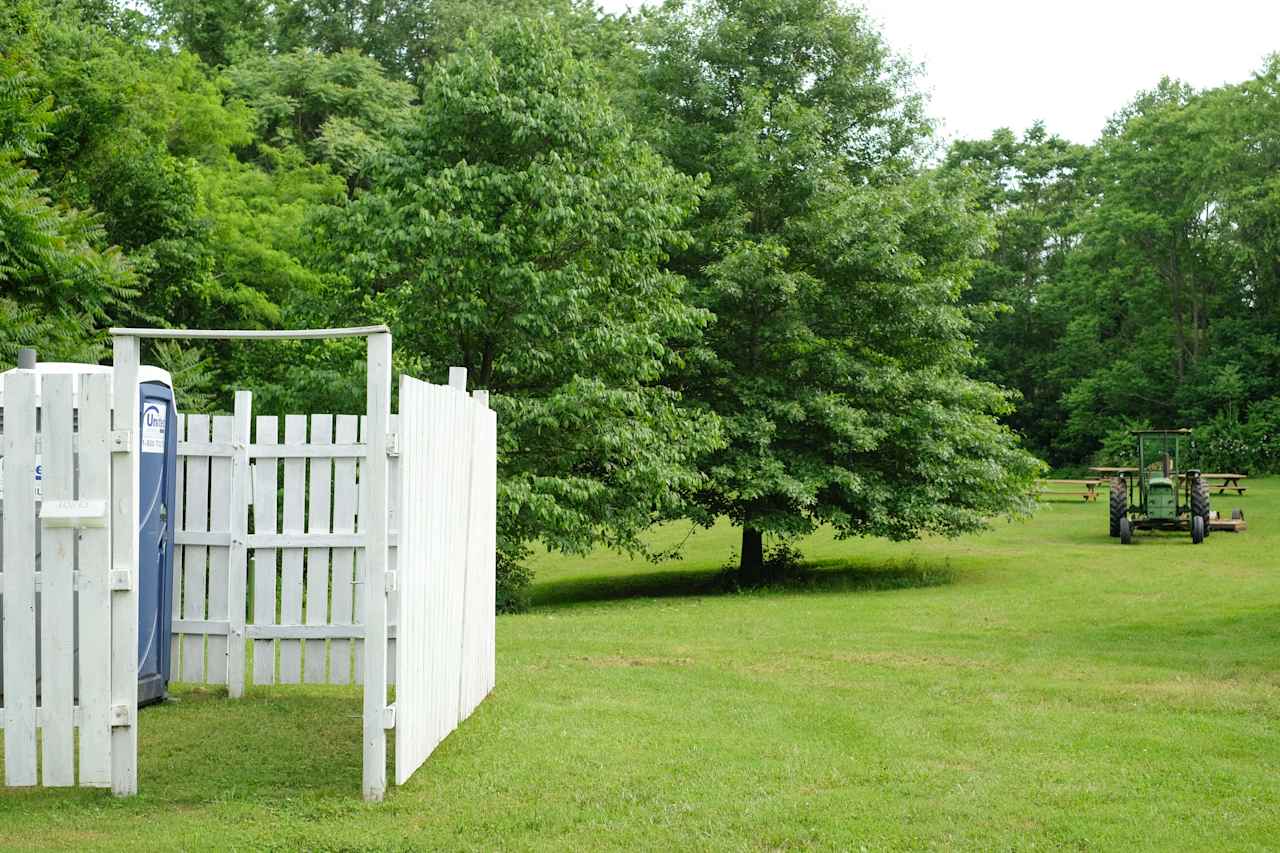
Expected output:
{"points": [[751, 564]]}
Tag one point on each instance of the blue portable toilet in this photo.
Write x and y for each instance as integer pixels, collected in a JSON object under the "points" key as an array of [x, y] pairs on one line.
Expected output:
{"points": [[157, 489], [157, 478]]}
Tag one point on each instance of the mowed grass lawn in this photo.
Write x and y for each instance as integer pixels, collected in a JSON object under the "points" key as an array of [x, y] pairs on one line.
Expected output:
{"points": [[1036, 687]]}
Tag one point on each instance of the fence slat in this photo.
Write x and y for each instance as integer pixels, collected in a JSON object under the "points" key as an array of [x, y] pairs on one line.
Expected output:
{"points": [[344, 517], [94, 589], [195, 558], [295, 496], [219, 556], [238, 569], [393, 552], [19, 579], [473, 591], [317, 577], [264, 559], [359, 586], [179, 526], [57, 597]]}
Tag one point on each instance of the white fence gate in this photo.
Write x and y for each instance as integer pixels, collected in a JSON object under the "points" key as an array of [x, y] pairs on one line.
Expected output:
{"points": [[70, 608]]}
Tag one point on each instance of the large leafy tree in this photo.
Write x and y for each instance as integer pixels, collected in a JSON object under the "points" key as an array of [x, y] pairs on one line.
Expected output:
{"points": [[519, 229], [839, 355]]}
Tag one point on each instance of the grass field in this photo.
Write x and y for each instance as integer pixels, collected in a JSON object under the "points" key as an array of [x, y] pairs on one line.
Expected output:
{"points": [[1036, 687]]}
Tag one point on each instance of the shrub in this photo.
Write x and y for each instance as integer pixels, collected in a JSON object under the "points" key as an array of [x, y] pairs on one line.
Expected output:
{"points": [[1224, 444], [514, 580], [1264, 433]]}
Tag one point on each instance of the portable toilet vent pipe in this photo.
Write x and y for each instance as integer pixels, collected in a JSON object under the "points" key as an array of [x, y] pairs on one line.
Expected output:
{"points": [[157, 475]]}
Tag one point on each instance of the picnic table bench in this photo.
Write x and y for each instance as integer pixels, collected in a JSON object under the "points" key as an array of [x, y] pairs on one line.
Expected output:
{"points": [[1222, 482], [1225, 482], [1087, 489]]}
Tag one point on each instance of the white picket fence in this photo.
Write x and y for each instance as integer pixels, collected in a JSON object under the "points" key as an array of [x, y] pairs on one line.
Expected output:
{"points": [[82, 702], [303, 571], [445, 660], [292, 562]]}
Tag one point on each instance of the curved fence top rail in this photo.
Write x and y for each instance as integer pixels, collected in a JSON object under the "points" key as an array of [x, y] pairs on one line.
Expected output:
{"points": [[253, 334]]}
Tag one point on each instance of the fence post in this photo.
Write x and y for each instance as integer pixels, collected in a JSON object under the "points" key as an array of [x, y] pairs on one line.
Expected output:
{"points": [[373, 520], [237, 571], [124, 567]]}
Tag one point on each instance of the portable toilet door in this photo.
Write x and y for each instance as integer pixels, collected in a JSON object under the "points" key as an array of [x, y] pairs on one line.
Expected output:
{"points": [[157, 488], [157, 491]]}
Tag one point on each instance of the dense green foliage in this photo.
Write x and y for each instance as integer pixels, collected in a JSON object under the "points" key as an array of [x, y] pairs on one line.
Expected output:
{"points": [[1139, 275], [60, 282], [703, 257]]}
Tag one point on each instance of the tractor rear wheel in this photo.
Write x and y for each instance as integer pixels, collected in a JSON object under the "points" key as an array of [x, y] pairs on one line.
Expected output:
{"points": [[1200, 502], [1119, 503], [1197, 529], [1126, 531]]}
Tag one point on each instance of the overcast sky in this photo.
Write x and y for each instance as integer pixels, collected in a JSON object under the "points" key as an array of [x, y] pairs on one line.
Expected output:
{"points": [[1006, 63]]}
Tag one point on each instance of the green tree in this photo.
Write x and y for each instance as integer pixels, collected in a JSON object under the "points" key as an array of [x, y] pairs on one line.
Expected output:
{"points": [[336, 109], [839, 352], [59, 282], [519, 230], [1033, 187]]}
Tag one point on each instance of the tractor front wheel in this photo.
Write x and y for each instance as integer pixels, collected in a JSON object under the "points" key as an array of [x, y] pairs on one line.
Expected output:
{"points": [[1126, 531], [1197, 529], [1119, 500], [1200, 502]]}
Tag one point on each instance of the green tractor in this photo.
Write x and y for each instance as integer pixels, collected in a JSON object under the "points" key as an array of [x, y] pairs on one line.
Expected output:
{"points": [[1158, 494]]}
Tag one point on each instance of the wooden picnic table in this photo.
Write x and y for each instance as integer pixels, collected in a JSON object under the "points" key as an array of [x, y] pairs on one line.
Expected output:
{"points": [[1222, 482], [1089, 492], [1226, 481]]}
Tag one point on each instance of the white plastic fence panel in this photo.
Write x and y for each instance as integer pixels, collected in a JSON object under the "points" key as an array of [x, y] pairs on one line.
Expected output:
{"points": [[56, 711], [302, 605], [445, 577]]}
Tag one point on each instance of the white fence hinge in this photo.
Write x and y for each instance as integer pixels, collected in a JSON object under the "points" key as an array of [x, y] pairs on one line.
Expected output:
{"points": [[393, 444], [121, 580], [391, 581], [389, 717], [122, 441], [121, 716]]}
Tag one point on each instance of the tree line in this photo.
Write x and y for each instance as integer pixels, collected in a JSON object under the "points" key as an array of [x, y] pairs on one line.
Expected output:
{"points": [[710, 260], [1136, 280]]}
